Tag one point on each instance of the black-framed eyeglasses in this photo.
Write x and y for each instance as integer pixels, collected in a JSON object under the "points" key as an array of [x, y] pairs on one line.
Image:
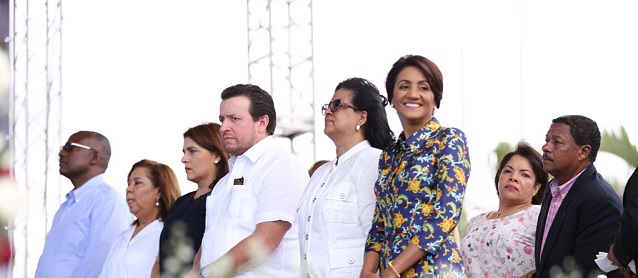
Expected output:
{"points": [[336, 105], [68, 147]]}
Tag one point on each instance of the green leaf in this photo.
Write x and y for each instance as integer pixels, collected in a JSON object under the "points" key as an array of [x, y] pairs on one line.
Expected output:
{"points": [[619, 145]]}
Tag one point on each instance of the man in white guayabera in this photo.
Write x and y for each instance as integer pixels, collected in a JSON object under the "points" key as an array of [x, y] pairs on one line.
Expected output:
{"points": [[250, 214]]}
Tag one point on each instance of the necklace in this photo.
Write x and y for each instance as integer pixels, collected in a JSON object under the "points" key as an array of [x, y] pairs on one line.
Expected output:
{"points": [[498, 214]]}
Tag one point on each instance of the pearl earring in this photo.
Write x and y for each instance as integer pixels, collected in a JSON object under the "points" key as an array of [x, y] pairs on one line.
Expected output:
{"points": [[157, 202], [357, 127], [216, 161]]}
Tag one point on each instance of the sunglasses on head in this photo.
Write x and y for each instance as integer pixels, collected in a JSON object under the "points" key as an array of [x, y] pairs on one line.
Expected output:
{"points": [[70, 145], [336, 105]]}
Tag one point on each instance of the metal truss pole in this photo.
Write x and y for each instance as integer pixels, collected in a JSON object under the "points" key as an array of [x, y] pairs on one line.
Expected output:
{"points": [[35, 118], [280, 59]]}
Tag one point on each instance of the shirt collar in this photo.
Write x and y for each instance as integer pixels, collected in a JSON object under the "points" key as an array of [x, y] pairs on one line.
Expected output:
{"points": [[256, 150], [355, 149], [413, 142], [86, 189], [562, 189]]}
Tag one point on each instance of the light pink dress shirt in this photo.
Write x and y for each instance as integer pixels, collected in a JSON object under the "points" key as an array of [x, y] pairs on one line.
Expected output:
{"points": [[558, 195]]}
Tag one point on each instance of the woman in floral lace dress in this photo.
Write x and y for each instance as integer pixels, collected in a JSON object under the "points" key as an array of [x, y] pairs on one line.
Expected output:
{"points": [[501, 243]]}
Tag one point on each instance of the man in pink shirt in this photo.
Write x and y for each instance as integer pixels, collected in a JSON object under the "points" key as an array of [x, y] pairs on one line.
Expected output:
{"points": [[581, 212]]}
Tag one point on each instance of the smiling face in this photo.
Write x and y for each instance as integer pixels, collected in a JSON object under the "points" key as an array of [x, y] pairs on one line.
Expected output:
{"points": [[517, 182], [141, 194], [199, 163], [413, 99]]}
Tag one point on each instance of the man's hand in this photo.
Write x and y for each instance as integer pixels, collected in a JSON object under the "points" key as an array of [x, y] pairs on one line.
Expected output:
{"points": [[624, 270], [612, 258], [249, 252], [627, 273]]}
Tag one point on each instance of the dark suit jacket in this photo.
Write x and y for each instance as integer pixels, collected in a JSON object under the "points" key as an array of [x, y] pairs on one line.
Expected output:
{"points": [[585, 224], [626, 246]]}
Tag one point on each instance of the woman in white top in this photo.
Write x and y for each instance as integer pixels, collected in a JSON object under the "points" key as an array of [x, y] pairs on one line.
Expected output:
{"points": [[501, 243], [336, 210], [152, 190]]}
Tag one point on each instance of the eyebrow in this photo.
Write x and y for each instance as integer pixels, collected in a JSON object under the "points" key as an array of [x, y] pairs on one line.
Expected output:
{"points": [[229, 115], [418, 82], [523, 169]]}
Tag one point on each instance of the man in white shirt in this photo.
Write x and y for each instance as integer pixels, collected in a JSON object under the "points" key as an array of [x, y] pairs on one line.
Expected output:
{"points": [[250, 227]]}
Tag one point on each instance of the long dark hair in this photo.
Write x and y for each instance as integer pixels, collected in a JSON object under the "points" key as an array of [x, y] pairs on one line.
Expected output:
{"points": [[366, 97]]}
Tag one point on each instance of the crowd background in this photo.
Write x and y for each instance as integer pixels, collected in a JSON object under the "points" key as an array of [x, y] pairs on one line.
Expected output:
{"points": [[171, 66]]}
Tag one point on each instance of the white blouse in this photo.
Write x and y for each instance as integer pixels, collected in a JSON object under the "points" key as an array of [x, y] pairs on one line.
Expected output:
{"points": [[134, 257], [336, 212]]}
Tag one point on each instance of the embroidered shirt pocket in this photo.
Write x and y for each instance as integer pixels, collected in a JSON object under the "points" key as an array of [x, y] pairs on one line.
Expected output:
{"points": [[341, 205]]}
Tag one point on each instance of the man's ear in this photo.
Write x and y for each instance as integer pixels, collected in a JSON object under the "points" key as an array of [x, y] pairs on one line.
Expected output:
{"points": [[263, 122], [584, 152], [96, 158]]}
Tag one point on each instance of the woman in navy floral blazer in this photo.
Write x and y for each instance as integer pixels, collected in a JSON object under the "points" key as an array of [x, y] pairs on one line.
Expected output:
{"points": [[421, 182]]}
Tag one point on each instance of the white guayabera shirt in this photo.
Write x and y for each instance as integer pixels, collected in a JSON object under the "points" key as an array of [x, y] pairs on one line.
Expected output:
{"points": [[271, 187], [336, 213]]}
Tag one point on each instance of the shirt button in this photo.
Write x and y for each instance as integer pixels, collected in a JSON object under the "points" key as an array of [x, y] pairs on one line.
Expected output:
{"points": [[323, 184], [314, 200], [308, 218], [205, 271], [342, 195], [305, 256], [351, 261], [306, 236]]}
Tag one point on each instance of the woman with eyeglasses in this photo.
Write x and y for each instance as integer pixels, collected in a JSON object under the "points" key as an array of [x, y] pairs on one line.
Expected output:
{"points": [[151, 192], [422, 179], [337, 206]]}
